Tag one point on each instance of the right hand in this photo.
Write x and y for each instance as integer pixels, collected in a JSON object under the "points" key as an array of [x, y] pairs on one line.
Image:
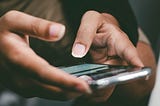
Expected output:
{"points": [[25, 72]]}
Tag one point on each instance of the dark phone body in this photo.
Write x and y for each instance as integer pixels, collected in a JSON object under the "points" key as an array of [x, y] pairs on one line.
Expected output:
{"points": [[103, 75]]}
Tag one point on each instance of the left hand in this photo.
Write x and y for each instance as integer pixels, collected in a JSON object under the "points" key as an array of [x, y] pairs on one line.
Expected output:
{"points": [[101, 36]]}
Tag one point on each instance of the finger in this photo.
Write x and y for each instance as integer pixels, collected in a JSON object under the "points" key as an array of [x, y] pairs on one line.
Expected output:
{"points": [[119, 44], [86, 33], [46, 91], [51, 92], [36, 67], [99, 96], [128, 52], [28, 87], [131, 56], [99, 55], [22, 23]]}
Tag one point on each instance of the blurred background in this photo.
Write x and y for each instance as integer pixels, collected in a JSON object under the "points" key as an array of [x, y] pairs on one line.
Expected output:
{"points": [[148, 17]]}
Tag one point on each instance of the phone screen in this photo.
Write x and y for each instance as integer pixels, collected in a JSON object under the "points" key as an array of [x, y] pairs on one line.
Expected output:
{"points": [[95, 70]]}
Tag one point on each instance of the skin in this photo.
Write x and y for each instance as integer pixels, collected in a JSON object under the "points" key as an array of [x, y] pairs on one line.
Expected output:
{"points": [[135, 93], [38, 78], [105, 40]]}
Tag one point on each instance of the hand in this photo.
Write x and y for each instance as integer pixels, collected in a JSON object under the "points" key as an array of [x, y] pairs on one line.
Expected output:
{"points": [[25, 72], [101, 36], [101, 32]]}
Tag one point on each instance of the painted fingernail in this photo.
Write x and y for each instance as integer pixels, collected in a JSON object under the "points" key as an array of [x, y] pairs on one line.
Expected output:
{"points": [[78, 50], [57, 30]]}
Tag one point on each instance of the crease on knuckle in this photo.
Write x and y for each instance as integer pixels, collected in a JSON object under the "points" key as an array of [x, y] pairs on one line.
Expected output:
{"points": [[35, 27]]}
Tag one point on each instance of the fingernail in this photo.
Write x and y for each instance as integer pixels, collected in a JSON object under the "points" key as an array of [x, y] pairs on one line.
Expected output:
{"points": [[78, 50], [57, 30]]}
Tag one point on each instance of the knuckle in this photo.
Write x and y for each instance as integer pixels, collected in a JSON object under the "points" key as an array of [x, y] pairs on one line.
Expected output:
{"points": [[16, 55], [110, 19], [107, 15], [39, 27], [91, 12], [10, 16], [35, 26]]}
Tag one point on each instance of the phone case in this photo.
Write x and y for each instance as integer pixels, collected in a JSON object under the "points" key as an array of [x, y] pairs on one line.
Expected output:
{"points": [[101, 75]]}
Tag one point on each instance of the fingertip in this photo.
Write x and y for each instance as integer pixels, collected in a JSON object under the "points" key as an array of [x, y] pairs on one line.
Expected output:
{"points": [[79, 50], [83, 87], [56, 31], [136, 62], [140, 64]]}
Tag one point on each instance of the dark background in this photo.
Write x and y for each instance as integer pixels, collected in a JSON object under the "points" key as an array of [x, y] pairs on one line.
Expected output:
{"points": [[148, 16]]}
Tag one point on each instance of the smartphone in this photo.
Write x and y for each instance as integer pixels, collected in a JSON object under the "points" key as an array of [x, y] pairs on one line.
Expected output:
{"points": [[102, 75]]}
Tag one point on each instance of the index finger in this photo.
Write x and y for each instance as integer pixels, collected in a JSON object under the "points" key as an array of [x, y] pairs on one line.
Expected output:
{"points": [[19, 53], [86, 33], [41, 70], [19, 22]]}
